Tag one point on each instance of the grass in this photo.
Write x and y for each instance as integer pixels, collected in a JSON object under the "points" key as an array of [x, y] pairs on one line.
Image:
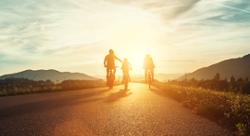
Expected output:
{"points": [[29, 90], [232, 109]]}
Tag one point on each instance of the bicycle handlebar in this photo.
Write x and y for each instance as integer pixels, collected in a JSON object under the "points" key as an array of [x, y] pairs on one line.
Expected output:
{"points": [[115, 66]]}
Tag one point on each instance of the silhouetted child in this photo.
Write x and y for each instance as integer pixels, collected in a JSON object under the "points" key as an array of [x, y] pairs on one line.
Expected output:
{"points": [[125, 68]]}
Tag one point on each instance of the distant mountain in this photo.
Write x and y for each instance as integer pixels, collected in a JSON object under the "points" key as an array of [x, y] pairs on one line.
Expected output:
{"points": [[53, 75], [239, 68], [165, 77]]}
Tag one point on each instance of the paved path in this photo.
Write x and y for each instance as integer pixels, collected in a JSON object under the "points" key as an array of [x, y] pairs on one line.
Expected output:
{"points": [[138, 111]]}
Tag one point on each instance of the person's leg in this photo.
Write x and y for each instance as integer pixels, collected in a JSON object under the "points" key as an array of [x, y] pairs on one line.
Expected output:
{"points": [[123, 75], [152, 72], [128, 76], [107, 75], [146, 73], [114, 73]]}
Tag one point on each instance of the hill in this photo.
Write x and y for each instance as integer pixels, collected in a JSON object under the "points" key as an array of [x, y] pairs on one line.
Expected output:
{"points": [[238, 67], [51, 74]]}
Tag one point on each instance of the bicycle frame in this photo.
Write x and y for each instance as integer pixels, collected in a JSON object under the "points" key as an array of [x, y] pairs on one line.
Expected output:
{"points": [[110, 78]]}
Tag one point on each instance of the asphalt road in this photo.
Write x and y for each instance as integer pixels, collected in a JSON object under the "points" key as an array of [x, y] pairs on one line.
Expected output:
{"points": [[138, 111]]}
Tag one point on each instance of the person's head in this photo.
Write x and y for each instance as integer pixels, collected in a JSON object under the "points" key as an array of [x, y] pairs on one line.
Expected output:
{"points": [[125, 60], [111, 52], [147, 56]]}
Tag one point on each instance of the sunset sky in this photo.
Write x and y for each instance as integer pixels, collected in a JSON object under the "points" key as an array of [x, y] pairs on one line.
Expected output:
{"points": [[76, 35]]}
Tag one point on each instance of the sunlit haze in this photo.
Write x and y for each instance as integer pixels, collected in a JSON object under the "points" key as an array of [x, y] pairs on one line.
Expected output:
{"points": [[76, 35]]}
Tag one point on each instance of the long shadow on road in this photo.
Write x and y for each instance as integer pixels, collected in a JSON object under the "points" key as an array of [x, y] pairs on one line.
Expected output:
{"points": [[159, 92], [118, 95], [49, 104]]}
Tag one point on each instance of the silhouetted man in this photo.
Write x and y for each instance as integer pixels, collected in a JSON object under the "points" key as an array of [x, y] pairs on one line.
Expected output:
{"points": [[109, 62], [148, 65]]}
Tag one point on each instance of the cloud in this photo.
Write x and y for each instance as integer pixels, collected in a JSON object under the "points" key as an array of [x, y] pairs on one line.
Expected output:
{"points": [[227, 17], [167, 9], [246, 11], [190, 4], [71, 30]]}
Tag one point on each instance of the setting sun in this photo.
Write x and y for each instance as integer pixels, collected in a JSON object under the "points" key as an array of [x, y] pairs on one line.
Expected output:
{"points": [[133, 37]]}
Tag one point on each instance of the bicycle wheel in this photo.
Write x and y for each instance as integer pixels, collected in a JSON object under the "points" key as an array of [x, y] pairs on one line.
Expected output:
{"points": [[109, 80], [149, 79], [125, 82]]}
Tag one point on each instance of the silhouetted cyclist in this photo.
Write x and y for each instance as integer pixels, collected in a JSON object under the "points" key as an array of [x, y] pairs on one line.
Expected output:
{"points": [[125, 68], [148, 65], [109, 62]]}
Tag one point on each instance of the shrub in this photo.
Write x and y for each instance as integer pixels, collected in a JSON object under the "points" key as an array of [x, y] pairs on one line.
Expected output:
{"points": [[227, 106], [246, 88]]}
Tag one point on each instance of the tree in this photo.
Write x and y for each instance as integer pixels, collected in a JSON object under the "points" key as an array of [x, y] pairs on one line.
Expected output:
{"points": [[48, 82], [246, 79], [246, 88], [217, 77], [232, 79], [239, 80]]}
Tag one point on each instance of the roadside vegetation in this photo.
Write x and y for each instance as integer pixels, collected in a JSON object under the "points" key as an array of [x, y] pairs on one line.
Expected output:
{"points": [[17, 86], [228, 102]]}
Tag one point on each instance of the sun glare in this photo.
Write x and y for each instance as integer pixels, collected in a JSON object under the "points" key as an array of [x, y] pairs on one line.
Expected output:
{"points": [[133, 37], [136, 61], [135, 55]]}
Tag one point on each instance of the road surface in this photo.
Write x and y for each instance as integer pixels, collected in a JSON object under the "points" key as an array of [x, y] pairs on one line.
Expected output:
{"points": [[138, 111]]}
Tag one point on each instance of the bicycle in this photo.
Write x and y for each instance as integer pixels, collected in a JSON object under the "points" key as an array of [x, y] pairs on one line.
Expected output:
{"points": [[126, 80], [111, 78], [149, 77]]}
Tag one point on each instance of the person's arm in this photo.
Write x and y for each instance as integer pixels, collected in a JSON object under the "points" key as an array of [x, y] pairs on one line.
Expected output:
{"points": [[118, 59], [130, 66], [105, 61], [144, 63], [122, 66]]}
